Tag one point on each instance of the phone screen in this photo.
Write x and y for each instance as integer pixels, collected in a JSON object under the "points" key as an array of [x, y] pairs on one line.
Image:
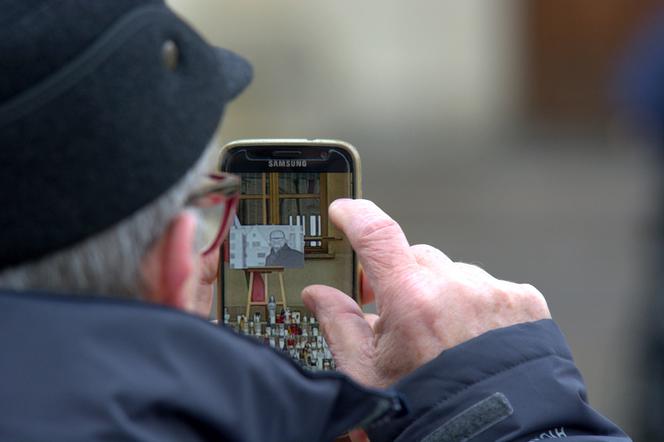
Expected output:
{"points": [[282, 240]]}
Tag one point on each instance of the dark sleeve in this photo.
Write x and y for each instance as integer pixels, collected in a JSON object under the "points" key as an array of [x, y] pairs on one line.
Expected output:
{"points": [[230, 387], [513, 384]]}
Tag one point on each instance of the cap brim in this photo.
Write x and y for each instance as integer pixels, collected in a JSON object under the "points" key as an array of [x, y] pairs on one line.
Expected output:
{"points": [[236, 70]]}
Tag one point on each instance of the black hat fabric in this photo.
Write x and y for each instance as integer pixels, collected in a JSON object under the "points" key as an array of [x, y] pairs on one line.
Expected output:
{"points": [[104, 105]]}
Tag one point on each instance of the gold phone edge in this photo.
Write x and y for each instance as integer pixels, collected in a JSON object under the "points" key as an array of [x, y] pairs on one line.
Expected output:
{"points": [[300, 142]]}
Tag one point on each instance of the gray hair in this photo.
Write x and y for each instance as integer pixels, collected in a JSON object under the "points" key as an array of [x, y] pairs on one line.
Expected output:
{"points": [[109, 263]]}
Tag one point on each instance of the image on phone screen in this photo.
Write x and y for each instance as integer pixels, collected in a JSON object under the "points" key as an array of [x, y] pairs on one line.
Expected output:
{"points": [[282, 240]]}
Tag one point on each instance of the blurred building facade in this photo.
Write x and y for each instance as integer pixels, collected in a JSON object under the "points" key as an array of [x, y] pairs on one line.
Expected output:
{"points": [[486, 129]]}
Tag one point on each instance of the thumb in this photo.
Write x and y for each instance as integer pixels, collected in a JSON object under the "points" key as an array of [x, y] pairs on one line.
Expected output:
{"points": [[347, 332]]}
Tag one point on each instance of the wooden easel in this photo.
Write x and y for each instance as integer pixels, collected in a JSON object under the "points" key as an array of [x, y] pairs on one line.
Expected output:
{"points": [[265, 270]]}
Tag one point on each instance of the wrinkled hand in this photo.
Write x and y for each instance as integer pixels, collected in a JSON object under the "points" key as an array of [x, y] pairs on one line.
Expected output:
{"points": [[426, 303]]}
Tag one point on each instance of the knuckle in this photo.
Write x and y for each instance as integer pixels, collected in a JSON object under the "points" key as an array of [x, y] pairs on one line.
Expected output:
{"points": [[472, 267], [378, 228], [425, 249], [474, 272], [535, 301], [529, 290], [474, 294], [531, 294], [466, 267]]}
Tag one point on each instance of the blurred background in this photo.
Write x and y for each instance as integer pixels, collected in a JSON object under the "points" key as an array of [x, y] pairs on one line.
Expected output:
{"points": [[493, 131]]}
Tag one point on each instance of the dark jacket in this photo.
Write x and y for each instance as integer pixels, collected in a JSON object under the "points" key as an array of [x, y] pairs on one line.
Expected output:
{"points": [[87, 369]]}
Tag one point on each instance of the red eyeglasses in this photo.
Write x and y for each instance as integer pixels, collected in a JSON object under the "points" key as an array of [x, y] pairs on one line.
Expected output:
{"points": [[216, 202]]}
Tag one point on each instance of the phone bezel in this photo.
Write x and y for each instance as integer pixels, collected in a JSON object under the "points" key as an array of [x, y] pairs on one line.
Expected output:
{"points": [[296, 143]]}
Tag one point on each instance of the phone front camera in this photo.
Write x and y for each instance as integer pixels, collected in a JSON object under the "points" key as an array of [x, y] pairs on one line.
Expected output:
{"points": [[324, 155]]}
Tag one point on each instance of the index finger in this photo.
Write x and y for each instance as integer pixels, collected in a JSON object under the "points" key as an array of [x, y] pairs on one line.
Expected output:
{"points": [[377, 239]]}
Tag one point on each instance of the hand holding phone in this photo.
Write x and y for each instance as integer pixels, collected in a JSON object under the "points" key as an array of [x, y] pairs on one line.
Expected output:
{"points": [[426, 302]]}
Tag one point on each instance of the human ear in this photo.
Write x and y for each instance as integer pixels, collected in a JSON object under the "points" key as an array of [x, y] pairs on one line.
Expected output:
{"points": [[169, 268]]}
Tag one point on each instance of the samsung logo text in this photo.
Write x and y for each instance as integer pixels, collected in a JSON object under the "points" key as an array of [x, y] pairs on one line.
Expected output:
{"points": [[287, 163]]}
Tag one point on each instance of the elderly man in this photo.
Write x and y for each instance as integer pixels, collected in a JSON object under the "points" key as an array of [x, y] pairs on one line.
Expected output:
{"points": [[107, 112]]}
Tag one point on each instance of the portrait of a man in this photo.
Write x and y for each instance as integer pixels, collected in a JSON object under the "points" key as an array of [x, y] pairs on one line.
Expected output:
{"points": [[281, 254]]}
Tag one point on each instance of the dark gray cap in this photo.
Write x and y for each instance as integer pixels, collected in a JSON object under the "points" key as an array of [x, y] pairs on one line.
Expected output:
{"points": [[104, 105]]}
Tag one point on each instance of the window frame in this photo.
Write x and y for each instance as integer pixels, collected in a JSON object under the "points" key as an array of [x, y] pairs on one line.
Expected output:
{"points": [[270, 203]]}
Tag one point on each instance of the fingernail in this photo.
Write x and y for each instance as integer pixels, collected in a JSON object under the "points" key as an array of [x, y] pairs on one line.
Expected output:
{"points": [[310, 299]]}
